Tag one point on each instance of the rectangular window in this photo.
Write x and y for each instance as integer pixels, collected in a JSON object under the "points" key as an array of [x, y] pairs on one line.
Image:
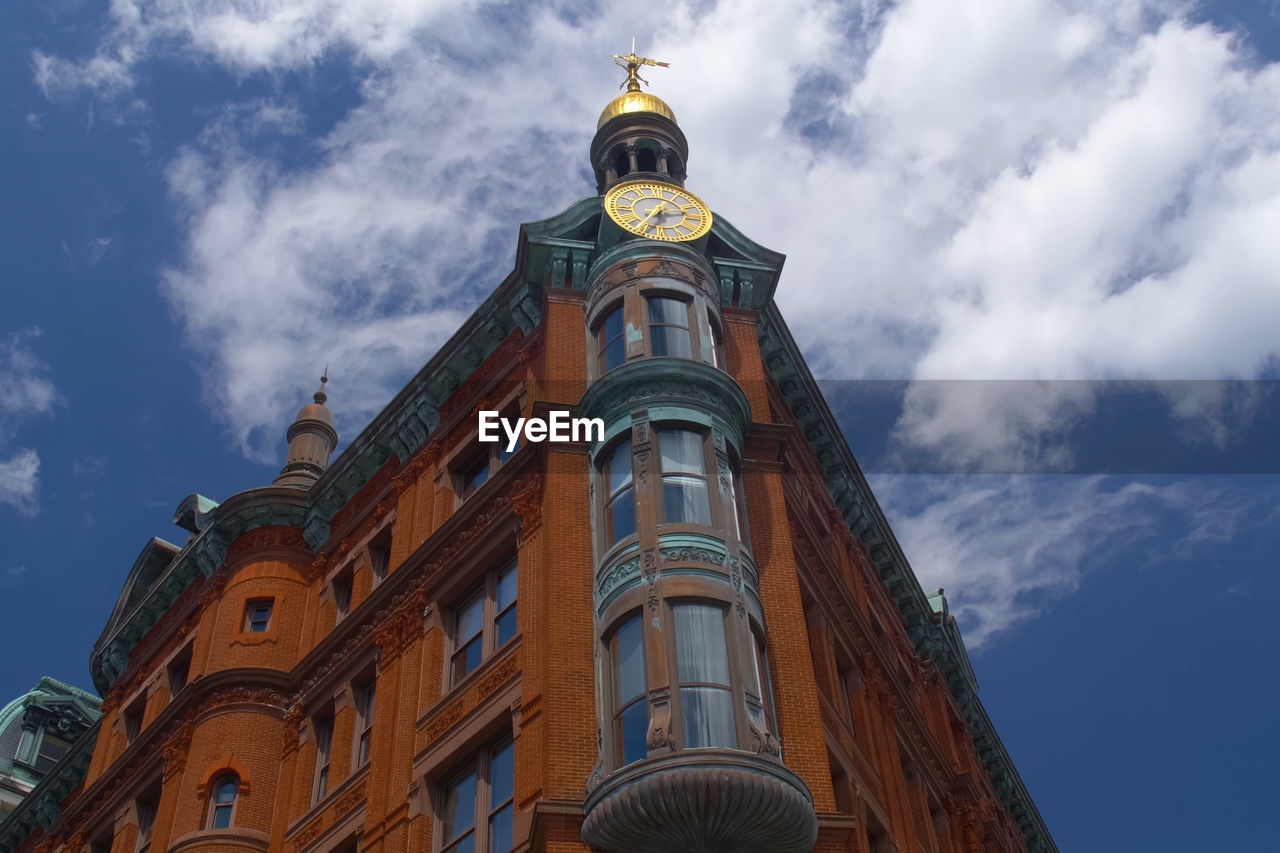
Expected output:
{"points": [[380, 556], [146, 807], [684, 477], [52, 750], [476, 806], [620, 501], [702, 662], [133, 719], [324, 749], [486, 620], [257, 615], [179, 671], [631, 719], [342, 595], [669, 327], [364, 721], [612, 343]]}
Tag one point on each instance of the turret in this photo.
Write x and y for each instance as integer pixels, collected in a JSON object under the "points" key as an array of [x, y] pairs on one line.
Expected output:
{"points": [[312, 438]]}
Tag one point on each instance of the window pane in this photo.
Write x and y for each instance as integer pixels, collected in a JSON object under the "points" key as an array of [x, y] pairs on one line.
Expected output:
{"points": [[620, 467], [622, 515], [700, 649], [470, 619], [227, 791], [672, 341], [500, 833], [221, 817], [507, 625], [502, 774], [467, 658], [459, 813], [681, 452], [633, 728], [663, 309], [708, 717], [507, 584], [615, 353], [466, 845], [685, 499], [630, 657]]}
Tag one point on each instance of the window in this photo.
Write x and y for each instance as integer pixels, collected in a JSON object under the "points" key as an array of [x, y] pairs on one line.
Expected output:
{"points": [[763, 686], [324, 750], [485, 621], [380, 556], [51, 751], [739, 506], [133, 719], [669, 327], [631, 720], [613, 344], [179, 670], [476, 804], [146, 807], [717, 344], [222, 801], [342, 595], [684, 478], [364, 721], [484, 461], [702, 664], [620, 503], [257, 615]]}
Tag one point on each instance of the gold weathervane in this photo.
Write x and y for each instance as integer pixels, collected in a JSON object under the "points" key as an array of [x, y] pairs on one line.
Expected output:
{"points": [[632, 64]]}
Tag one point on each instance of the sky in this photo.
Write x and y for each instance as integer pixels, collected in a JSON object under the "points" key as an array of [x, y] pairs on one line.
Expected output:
{"points": [[1030, 255]]}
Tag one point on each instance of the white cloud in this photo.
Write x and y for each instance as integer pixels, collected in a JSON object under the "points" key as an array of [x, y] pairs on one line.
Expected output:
{"points": [[20, 482], [1005, 547], [1022, 189]]}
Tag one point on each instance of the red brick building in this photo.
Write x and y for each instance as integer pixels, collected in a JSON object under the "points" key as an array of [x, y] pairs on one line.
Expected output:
{"points": [[693, 633]]}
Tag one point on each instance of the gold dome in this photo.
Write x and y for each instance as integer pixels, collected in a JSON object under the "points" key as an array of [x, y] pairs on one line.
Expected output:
{"points": [[635, 102]]}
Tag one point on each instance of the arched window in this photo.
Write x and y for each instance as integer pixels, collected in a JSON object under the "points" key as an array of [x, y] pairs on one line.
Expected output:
{"points": [[620, 501], [622, 162], [646, 160], [222, 801]]}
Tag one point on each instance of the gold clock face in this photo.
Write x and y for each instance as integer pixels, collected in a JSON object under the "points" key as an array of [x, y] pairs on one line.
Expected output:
{"points": [[658, 211]]}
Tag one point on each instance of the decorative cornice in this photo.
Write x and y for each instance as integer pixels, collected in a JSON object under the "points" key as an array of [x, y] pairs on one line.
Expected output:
{"points": [[932, 635]]}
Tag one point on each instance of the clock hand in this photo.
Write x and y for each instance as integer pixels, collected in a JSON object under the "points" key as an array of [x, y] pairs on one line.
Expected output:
{"points": [[656, 208]]}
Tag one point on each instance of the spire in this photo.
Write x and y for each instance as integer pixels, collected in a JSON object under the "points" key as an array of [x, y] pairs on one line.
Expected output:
{"points": [[632, 63], [312, 438], [637, 136]]}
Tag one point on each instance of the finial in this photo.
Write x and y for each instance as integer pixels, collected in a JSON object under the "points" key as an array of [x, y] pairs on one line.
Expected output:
{"points": [[632, 64], [320, 396]]}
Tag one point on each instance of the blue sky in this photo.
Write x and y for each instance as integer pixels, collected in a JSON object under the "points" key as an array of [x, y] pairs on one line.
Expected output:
{"points": [[203, 208]]}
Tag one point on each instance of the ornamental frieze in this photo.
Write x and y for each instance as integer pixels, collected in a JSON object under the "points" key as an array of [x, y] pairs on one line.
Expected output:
{"points": [[621, 573], [459, 706]]}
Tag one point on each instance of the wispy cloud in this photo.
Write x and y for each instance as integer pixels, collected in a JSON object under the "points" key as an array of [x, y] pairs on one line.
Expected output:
{"points": [[1006, 547], [25, 393], [89, 467], [20, 482]]}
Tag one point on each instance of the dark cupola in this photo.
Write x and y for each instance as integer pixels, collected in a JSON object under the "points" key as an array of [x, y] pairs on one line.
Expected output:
{"points": [[312, 438]]}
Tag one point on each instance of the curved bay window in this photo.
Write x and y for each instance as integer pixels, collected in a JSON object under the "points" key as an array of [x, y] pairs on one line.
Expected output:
{"points": [[631, 719], [702, 666], [673, 325], [222, 801]]}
